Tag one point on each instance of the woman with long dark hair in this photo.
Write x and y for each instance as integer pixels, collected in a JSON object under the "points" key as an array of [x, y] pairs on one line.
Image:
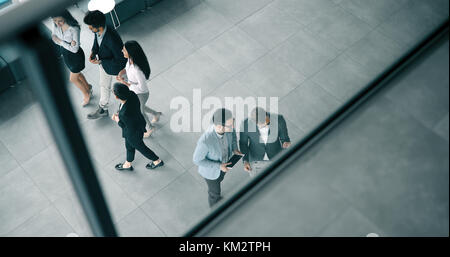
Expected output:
{"points": [[138, 71], [66, 34]]}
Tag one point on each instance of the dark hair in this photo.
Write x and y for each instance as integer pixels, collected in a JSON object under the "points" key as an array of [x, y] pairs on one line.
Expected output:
{"points": [[68, 18], [95, 18], [221, 116], [259, 115], [138, 57], [121, 91]]}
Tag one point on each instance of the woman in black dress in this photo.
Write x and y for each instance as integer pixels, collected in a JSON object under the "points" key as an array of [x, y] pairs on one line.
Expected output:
{"points": [[66, 34]]}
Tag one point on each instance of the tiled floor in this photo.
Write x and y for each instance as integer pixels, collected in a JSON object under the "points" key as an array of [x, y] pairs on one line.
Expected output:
{"points": [[381, 170], [312, 54]]}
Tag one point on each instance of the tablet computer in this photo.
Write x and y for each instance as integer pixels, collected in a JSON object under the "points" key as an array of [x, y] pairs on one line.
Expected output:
{"points": [[234, 159]]}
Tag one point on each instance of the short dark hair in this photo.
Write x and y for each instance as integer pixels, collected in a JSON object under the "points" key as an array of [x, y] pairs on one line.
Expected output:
{"points": [[95, 18], [259, 115], [221, 116], [121, 91]]}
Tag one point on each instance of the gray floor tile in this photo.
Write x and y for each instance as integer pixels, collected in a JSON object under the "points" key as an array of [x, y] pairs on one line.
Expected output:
{"points": [[415, 175], [373, 12], [142, 183], [103, 138], [7, 160], [442, 128], [234, 50], [412, 23], [233, 180], [303, 212], [295, 133], [234, 96], [340, 28], [70, 208], [270, 26], [376, 51], [200, 25], [49, 173], [20, 200], [314, 52], [201, 181], [232, 88], [164, 47], [48, 223], [138, 224], [119, 202], [161, 95], [169, 10], [27, 134], [178, 206], [351, 224], [237, 10], [439, 6], [305, 11], [270, 77], [308, 105], [196, 71], [424, 93], [15, 101], [344, 77], [180, 145]]}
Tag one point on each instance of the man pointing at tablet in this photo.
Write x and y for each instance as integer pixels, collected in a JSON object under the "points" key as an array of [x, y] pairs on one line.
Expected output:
{"points": [[214, 148]]}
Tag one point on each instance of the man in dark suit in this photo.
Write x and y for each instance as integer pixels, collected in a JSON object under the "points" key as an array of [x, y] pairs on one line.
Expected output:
{"points": [[107, 52], [262, 137], [133, 124]]}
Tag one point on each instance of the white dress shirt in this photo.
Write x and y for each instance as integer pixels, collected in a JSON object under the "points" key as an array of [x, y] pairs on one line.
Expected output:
{"points": [[100, 37], [264, 134], [136, 78], [71, 34]]}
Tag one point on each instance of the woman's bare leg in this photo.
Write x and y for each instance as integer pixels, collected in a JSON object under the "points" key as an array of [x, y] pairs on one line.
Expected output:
{"points": [[74, 78]]}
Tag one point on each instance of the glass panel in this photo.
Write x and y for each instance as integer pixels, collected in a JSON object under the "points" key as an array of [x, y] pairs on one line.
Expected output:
{"points": [[299, 59]]}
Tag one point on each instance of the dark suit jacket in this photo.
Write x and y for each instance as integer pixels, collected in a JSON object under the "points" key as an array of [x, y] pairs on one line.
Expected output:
{"points": [[249, 141], [130, 117], [110, 52]]}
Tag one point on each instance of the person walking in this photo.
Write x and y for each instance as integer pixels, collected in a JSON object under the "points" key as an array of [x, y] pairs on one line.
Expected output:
{"points": [[130, 119], [137, 71], [66, 34], [107, 53]]}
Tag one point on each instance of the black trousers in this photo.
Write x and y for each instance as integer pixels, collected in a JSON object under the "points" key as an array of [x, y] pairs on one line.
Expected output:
{"points": [[134, 143], [214, 189]]}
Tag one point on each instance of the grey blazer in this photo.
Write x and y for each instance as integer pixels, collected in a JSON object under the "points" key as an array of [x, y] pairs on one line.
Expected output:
{"points": [[208, 153]]}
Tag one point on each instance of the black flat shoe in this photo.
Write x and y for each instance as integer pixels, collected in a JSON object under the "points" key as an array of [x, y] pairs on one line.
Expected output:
{"points": [[152, 166], [120, 167]]}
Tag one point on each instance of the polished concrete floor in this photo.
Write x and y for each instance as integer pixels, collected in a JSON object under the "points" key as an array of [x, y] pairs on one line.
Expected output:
{"points": [[311, 54]]}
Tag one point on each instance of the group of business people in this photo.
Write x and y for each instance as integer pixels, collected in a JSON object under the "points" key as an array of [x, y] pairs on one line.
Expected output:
{"points": [[127, 63], [262, 136]]}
